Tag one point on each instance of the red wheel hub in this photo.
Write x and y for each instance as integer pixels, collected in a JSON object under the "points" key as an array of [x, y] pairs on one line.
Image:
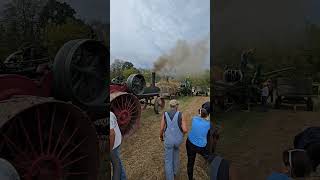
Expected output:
{"points": [[45, 167], [124, 117]]}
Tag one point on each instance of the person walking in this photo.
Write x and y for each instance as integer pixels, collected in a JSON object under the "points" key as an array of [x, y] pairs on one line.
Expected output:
{"points": [[264, 96], [115, 142], [172, 129], [270, 87], [197, 139]]}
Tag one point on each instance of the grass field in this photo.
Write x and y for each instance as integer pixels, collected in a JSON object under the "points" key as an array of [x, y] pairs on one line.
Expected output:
{"points": [[254, 141], [142, 153]]}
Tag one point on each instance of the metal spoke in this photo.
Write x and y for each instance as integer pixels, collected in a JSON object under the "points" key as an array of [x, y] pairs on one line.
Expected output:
{"points": [[39, 130], [76, 147], [67, 143], [51, 127], [26, 134], [14, 146], [64, 125], [74, 161]]}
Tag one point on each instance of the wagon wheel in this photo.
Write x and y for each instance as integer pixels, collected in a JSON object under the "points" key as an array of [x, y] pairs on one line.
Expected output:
{"points": [[80, 73], [145, 105], [127, 109], [49, 140], [159, 104]]}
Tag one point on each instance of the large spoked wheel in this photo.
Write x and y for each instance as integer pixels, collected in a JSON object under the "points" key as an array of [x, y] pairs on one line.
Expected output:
{"points": [[80, 72], [48, 140], [159, 104], [127, 109]]}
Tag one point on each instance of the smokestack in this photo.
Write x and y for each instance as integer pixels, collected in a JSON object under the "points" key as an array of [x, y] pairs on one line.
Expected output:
{"points": [[153, 79]]}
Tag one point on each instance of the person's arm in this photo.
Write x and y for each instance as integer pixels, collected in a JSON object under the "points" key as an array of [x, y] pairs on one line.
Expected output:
{"points": [[112, 133], [184, 125], [112, 138], [162, 126]]}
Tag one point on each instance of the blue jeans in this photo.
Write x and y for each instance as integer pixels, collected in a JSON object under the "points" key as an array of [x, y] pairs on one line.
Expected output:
{"points": [[118, 169], [171, 160]]}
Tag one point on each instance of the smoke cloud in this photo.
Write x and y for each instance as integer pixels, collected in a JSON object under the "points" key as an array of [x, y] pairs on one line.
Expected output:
{"points": [[185, 59]]}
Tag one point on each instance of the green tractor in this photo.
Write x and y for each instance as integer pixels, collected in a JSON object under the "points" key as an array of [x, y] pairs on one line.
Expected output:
{"points": [[185, 88]]}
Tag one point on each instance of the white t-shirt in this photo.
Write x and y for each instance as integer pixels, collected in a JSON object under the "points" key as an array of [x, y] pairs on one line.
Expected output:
{"points": [[114, 125]]}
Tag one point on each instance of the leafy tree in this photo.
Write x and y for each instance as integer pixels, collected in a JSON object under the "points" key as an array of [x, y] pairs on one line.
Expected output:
{"points": [[55, 12], [57, 35], [127, 65], [129, 71], [122, 68], [116, 68]]}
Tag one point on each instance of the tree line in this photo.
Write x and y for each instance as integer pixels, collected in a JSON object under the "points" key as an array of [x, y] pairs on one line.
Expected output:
{"points": [[44, 23]]}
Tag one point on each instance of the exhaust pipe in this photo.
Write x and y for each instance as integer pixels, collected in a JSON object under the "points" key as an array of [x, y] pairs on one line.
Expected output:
{"points": [[153, 79]]}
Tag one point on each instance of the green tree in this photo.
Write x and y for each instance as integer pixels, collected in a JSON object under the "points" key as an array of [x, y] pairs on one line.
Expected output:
{"points": [[129, 71], [116, 68], [57, 35], [55, 12], [122, 68]]}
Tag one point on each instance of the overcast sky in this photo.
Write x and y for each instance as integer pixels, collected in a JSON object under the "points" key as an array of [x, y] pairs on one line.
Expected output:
{"points": [[142, 30]]}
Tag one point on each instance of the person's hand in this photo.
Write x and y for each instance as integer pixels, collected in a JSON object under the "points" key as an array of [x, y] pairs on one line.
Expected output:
{"points": [[161, 137]]}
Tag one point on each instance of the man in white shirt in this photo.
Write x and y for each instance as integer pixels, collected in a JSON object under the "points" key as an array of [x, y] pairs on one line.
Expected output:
{"points": [[115, 142]]}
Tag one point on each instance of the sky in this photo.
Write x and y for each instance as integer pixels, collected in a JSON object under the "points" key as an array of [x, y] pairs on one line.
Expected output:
{"points": [[143, 30]]}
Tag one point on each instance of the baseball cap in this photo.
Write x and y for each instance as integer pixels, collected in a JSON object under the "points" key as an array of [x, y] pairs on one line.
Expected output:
{"points": [[173, 103]]}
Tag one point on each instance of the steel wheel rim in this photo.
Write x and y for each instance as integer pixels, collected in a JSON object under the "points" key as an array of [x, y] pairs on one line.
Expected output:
{"points": [[60, 154], [127, 109]]}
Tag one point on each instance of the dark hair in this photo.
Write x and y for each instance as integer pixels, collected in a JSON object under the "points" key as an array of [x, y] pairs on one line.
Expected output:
{"points": [[301, 164], [314, 155], [203, 113], [207, 106]]}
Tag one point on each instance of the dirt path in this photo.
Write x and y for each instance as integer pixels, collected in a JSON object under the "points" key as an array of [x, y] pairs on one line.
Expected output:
{"points": [[256, 151], [142, 153]]}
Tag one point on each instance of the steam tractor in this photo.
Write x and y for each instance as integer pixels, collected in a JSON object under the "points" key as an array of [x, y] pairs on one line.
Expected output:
{"points": [[47, 110], [152, 96], [124, 102]]}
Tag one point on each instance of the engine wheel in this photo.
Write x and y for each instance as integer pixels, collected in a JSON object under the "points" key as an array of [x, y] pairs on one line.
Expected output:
{"points": [[50, 140], [127, 109]]}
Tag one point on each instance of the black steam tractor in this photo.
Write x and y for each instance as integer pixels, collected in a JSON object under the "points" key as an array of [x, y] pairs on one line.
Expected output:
{"points": [[148, 96], [151, 96]]}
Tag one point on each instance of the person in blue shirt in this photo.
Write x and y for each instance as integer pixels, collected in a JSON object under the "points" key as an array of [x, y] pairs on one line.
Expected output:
{"points": [[197, 139], [296, 165]]}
